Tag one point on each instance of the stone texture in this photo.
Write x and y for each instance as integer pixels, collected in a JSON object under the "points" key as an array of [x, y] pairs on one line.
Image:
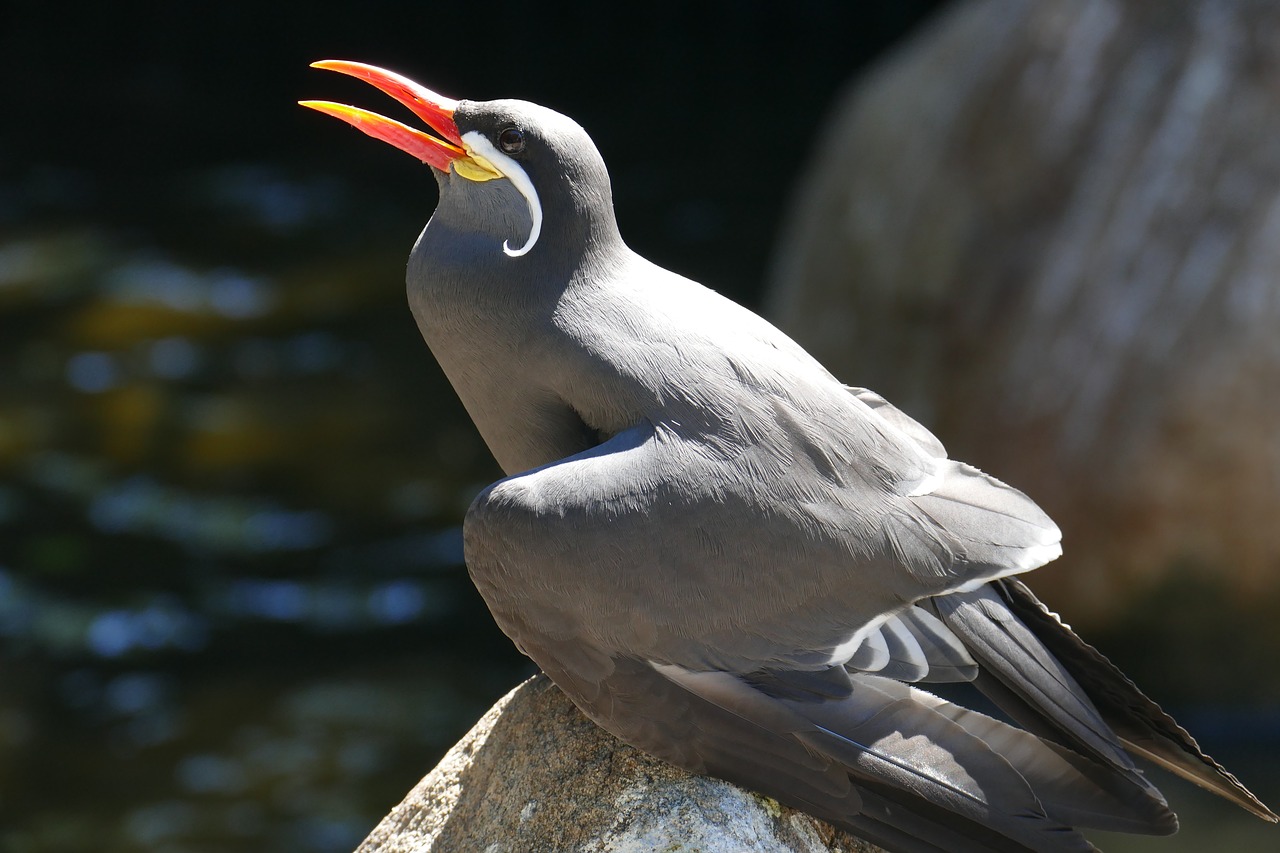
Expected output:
{"points": [[535, 776]]}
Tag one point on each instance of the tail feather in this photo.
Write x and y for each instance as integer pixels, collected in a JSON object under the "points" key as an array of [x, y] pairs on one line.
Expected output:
{"points": [[1011, 654], [1071, 788], [874, 812], [735, 732], [1143, 725], [917, 823], [945, 766], [1074, 789]]}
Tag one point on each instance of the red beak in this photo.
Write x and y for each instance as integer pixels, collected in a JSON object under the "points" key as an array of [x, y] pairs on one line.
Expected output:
{"points": [[435, 110]]}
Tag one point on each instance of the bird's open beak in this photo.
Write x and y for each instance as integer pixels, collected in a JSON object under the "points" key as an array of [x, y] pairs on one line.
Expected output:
{"points": [[435, 110]]}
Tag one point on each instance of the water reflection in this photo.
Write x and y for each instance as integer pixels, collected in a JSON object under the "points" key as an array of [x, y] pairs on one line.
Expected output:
{"points": [[140, 505], [152, 279], [229, 547], [273, 201], [163, 624]]}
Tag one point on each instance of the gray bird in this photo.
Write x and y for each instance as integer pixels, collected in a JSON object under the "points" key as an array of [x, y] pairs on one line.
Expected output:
{"points": [[728, 558]]}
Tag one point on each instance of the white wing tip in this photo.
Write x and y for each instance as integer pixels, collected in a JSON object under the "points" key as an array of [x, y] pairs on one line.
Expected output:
{"points": [[927, 485], [1038, 555], [1032, 557]]}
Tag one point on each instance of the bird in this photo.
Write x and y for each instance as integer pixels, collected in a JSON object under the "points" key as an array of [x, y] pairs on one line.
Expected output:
{"points": [[729, 558]]}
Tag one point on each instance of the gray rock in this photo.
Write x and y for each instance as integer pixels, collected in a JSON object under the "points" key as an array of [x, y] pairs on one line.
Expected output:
{"points": [[536, 775]]}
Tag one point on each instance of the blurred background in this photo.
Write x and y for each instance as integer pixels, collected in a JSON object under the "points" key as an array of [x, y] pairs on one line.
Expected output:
{"points": [[233, 614]]}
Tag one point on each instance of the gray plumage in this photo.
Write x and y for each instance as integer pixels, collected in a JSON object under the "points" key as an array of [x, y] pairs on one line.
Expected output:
{"points": [[733, 561]]}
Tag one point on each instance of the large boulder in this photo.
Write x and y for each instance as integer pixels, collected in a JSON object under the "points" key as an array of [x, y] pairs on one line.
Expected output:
{"points": [[1051, 230]]}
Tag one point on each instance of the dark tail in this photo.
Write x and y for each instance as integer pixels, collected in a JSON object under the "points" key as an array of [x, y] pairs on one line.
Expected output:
{"points": [[1145, 729]]}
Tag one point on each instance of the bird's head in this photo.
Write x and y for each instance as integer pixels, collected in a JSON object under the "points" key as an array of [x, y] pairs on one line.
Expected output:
{"points": [[496, 161]]}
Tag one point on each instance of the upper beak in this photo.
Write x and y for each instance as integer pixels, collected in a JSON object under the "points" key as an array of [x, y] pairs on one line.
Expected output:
{"points": [[435, 110], [449, 154]]}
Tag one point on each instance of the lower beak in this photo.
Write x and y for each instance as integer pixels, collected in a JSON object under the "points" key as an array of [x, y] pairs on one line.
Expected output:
{"points": [[435, 110]]}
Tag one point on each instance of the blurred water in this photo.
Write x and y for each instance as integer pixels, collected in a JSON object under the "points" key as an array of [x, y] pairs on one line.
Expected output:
{"points": [[232, 603]]}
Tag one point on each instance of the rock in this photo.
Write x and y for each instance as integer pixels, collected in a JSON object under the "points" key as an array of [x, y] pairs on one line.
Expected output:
{"points": [[536, 776], [1051, 230]]}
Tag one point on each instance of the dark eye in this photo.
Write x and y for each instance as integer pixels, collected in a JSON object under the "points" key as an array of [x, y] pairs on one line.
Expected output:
{"points": [[511, 140]]}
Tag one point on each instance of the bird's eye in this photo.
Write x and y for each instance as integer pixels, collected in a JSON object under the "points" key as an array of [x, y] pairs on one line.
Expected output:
{"points": [[511, 140]]}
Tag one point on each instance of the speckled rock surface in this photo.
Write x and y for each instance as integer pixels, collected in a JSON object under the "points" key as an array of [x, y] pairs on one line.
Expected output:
{"points": [[536, 775]]}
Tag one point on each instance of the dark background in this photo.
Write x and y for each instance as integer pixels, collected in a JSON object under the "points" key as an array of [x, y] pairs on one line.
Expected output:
{"points": [[232, 609]]}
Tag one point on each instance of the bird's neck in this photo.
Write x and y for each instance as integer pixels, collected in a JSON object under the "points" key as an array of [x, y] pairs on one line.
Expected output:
{"points": [[487, 317]]}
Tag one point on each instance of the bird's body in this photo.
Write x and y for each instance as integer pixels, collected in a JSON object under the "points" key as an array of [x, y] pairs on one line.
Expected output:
{"points": [[730, 559]]}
